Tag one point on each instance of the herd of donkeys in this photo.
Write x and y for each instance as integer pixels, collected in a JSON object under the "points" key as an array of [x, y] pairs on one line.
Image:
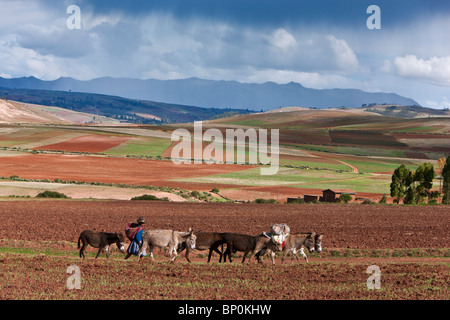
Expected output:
{"points": [[278, 239]]}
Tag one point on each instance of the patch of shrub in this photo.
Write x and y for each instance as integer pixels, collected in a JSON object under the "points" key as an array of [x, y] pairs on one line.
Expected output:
{"points": [[345, 198], [260, 200], [196, 194], [149, 197], [383, 199], [215, 190], [51, 194], [297, 201], [200, 195]]}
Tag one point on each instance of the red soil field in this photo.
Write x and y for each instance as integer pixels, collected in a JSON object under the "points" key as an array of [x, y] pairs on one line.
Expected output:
{"points": [[144, 172], [105, 169], [288, 136], [366, 139], [38, 225], [344, 226], [89, 143]]}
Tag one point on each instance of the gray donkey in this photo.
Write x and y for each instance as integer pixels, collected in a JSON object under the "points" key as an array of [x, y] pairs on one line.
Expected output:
{"points": [[297, 242], [309, 240], [166, 239]]}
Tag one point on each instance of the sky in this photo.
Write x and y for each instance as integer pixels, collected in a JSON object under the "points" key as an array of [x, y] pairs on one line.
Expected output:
{"points": [[320, 44]]}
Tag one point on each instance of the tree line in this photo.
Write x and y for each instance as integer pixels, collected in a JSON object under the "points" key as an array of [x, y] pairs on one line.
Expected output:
{"points": [[414, 187]]}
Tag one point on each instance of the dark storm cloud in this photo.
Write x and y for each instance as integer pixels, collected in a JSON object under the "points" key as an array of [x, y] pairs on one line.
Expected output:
{"points": [[319, 43]]}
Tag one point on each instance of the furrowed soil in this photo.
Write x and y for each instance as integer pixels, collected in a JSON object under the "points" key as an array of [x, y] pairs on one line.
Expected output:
{"points": [[409, 244], [109, 170], [88, 143]]}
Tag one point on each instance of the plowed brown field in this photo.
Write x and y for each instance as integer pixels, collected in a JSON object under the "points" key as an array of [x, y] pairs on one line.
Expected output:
{"points": [[39, 244], [345, 226], [89, 143], [108, 170]]}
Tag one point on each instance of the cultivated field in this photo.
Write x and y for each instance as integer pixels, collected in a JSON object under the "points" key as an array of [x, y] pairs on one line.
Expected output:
{"points": [[356, 150], [409, 244], [140, 156]]}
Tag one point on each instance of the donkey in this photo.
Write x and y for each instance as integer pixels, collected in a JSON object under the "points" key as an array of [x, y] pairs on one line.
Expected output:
{"points": [[247, 244], [318, 242], [166, 239], [204, 241], [101, 240], [309, 240]]}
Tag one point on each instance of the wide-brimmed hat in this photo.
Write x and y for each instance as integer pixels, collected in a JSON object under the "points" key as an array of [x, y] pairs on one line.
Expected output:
{"points": [[141, 220]]}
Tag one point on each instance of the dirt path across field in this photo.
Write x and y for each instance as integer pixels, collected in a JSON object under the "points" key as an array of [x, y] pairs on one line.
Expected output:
{"points": [[354, 169]]}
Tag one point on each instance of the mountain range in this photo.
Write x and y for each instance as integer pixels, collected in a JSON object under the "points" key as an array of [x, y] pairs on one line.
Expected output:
{"points": [[118, 108], [214, 94]]}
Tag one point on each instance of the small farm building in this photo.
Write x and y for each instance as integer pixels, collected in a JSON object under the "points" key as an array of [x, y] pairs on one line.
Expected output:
{"points": [[332, 195]]}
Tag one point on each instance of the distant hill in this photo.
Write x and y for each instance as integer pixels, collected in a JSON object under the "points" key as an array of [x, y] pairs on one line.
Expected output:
{"points": [[13, 112], [121, 109], [301, 123], [18, 112], [216, 94], [407, 112]]}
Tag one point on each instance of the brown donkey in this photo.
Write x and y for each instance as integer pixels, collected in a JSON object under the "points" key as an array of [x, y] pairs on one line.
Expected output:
{"points": [[247, 244], [101, 240], [205, 241]]}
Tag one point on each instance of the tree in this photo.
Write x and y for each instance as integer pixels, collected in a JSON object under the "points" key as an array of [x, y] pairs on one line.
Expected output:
{"points": [[446, 181], [441, 163], [401, 180], [345, 198], [421, 184], [410, 196], [383, 199], [424, 175]]}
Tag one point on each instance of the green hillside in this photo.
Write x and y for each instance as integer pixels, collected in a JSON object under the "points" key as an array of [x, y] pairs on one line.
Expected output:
{"points": [[126, 110], [356, 132]]}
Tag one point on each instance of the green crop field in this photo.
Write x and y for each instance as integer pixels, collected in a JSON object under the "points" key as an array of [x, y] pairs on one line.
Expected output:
{"points": [[298, 178], [351, 150], [314, 164], [141, 146], [370, 165], [17, 135]]}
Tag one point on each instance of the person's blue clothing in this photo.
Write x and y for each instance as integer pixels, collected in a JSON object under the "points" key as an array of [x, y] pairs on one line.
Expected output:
{"points": [[138, 236], [136, 244]]}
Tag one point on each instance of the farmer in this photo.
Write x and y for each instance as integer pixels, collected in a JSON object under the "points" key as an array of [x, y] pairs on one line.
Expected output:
{"points": [[134, 233]]}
